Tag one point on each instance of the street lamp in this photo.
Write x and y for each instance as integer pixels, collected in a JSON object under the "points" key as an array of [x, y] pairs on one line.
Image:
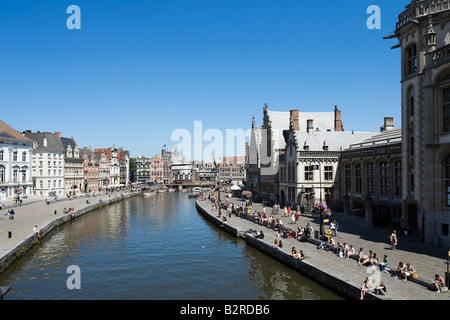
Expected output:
{"points": [[318, 167]]}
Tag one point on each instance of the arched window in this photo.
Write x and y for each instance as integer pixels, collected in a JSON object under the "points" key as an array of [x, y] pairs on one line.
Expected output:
{"points": [[2, 174], [384, 178], [446, 108], [370, 176], [411, 60], [447, 179]]}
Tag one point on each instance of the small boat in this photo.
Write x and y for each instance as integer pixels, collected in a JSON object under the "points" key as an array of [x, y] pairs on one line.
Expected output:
{"points": [[149, 193]]}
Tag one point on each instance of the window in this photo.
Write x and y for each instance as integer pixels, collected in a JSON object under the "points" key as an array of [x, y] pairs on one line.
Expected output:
{"points": [[370, 178], [384, 179], [308, 173], [358, 178], [24, 156], [328, 173], [446, 108], [2, 174], [23, 173], [15, 156], [1, 155], [411, 60], [348, 178], [410, 102], [447, 179], [397, 178], [444, 229]]}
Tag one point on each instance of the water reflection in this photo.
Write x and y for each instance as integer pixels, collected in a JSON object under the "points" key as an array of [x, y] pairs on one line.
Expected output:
{"points": [[152, 248]]}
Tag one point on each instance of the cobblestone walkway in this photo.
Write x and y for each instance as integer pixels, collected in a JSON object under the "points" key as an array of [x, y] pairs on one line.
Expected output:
{"points": [[426, 259]]}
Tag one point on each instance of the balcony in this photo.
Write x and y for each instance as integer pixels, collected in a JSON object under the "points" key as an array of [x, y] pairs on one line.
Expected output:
{"points": [[421, 10], [440, 55]]}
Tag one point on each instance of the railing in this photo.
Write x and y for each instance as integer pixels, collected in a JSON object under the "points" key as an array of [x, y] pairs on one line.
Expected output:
{"points": [[421, 9], [441, 55]]}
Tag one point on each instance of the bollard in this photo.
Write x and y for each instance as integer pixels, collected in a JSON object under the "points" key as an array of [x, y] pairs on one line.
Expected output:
{"points": [[9, 234], [55, 211]]}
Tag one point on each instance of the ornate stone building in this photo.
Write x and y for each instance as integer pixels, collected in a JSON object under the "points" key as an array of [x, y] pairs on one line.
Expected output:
{"points": [[370, 181], [309, 166], [424, 40], [15, 164]]}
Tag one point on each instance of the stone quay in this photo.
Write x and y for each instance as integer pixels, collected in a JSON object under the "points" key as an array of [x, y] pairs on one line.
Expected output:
{"points": [[345, 277]]}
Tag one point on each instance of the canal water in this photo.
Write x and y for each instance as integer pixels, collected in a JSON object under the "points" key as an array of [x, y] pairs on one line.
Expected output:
{"points": [[156, 248]]}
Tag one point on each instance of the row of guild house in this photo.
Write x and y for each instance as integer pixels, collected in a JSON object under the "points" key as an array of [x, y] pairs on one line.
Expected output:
{"points": [[45, 164]]}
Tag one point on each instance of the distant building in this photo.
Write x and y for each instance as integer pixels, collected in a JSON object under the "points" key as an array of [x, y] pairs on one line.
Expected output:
{"points": [[90, 170], [48, 164], [15, 164], [371, 177], [309, 165], [232, 170], [142, 169], [73, 166]]}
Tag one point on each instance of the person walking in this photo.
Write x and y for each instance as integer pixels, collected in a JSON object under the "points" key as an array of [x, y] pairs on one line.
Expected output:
{"points": [[393, 239]]}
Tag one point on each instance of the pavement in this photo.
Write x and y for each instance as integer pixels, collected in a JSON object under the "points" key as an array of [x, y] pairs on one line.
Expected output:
{"points": [[426, 259], [35, 212]]}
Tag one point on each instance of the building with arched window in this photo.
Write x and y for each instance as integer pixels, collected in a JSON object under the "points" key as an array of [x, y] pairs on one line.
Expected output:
{"points": [[15, 164], [424, 40]]}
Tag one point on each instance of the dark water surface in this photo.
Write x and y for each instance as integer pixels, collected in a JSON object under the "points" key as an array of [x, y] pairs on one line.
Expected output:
{"points": [[156, 248]]}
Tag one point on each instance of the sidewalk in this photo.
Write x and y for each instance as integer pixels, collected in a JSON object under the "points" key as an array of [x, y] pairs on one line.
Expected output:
{"points": [[427, 260], [34, 212]]}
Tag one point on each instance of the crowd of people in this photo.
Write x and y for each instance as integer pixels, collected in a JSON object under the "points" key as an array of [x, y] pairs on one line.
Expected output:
{"points": [[300, 232]]}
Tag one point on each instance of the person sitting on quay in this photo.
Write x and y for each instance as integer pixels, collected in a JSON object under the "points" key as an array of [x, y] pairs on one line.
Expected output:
{"points": [[37, 231], [326, 244], [366, 287], [339, 248], [11, 214], [399, 272], [438, 283], [294, 252], [270, 222], [362, 256], [259, 235], [370, 261], [384, 266], [380, 289], [301, 255], [409, 272], [349, 252], [275, 244]]}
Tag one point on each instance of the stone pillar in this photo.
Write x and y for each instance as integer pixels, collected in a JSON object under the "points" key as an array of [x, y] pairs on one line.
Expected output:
{"points": [[369, 210], [346, 204]]}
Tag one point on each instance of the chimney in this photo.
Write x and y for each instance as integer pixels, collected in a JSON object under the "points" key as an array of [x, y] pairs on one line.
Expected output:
{"points": [[58, 134], [388, 124], [45, 142], [310, 126], [295, 120], [337, 120]]}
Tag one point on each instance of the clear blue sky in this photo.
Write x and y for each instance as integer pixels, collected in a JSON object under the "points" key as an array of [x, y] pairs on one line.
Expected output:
{"points": [[139, 69]]}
